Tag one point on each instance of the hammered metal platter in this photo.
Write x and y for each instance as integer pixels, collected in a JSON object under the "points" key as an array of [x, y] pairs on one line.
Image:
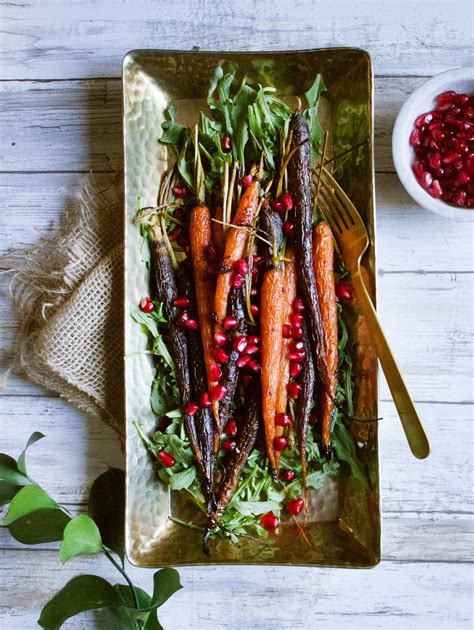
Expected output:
{"points": [[344, 518]]}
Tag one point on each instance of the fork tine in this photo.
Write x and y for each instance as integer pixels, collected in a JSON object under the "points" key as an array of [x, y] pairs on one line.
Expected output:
{"points": [[336, 205], [346, 202], [332, 217]]}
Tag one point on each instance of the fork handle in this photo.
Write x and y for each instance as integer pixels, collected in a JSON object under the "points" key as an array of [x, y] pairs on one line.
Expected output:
{"points": [[414, 431]]}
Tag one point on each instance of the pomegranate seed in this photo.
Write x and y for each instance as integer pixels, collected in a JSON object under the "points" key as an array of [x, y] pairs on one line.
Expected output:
{"points": [[415, 138], [295, 506], [280, 443], [445, 106], [460, 198], [240, 343], [166, 459], [296, 319], [426, 179], [287, 201], [228, 446], [180, 191], [229, 323], [237, 280], [253, 292], [298, 305], [243, 360], [147, 305], [192, 408], [191, 324], [254, 309], [205, 400], [226, 144], [241, 267], [438, 135], [250, 350], [293, 388], [450, 157], [246, 180], [218, 392], [295, 369], [297, 356], [423, 119], [276, 205], [220, 355], [435, 161], [287, 475], [288, 228], [287, 332], [463, 178], [435, 190], [181, 302], [257, 260], [231, 428], [254, 366], [215, 372], [344, 291], [219, 338], [297, 332], [269, 521], [462, 98], [418, 169], [296, 346], [283, 420], [184, 317], [445, 96], [253, 340]]}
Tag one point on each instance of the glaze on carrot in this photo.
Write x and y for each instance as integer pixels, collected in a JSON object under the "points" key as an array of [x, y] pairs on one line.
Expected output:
{"points": [[323, 260], [235, 246]]}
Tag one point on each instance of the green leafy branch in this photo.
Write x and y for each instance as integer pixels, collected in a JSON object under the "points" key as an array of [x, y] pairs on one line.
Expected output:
{"points": [[33, 517]]}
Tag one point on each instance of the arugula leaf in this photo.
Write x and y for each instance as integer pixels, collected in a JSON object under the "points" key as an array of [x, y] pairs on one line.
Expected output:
{"points": [[172, 131], [183, 479], [316, 132], [344, 447]]}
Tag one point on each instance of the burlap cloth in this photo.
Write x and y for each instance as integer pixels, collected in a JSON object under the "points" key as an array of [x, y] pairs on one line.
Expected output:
{"points": [[69, 291]]}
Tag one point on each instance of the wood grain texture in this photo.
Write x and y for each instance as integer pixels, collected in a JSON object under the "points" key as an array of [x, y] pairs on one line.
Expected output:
{"points": [[77, 125], [50, 40], [228, 598]]}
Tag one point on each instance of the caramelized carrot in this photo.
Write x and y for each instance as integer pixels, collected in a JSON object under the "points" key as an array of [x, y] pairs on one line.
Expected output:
{"points": [[200, 231], [277, 294], [235, 246], [323, 261], [284, 367]]}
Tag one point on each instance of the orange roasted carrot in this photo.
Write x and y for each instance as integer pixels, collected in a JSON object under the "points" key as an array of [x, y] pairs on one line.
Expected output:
{"points": [[200, 232], [323, 261], [284, 367], [235, 246]]}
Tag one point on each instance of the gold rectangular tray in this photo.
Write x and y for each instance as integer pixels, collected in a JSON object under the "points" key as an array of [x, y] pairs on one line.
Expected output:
{"points": [[344, 522]]}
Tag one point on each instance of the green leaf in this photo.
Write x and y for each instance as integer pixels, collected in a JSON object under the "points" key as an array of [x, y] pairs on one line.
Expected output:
{"points": [[34, 437], [45, 525], [81, 536], [127, 616], [85, 592], [344, 447], [183, 479], [107, 508], [146, 319], [256, 507], [165, 583], [8, 491], [29, 499], [10, 472], [314, 92]]}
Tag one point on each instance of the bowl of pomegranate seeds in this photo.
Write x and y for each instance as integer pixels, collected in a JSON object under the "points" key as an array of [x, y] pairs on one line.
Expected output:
{"points": [[433, 144]]}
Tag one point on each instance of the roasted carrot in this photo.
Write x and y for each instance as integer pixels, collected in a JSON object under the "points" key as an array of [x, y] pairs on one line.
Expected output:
{"points": [[323, 261], [235, 246], [277, 294], [200, 231]]}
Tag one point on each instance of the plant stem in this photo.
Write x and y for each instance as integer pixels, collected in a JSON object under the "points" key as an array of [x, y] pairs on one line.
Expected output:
{"points": [[122, 571]]}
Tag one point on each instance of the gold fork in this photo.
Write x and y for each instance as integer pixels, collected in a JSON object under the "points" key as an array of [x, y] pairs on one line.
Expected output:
{"points": [[352, 238]]}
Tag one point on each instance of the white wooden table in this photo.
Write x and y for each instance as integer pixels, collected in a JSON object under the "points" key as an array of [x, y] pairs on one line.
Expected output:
{"points": [[61, 117]]}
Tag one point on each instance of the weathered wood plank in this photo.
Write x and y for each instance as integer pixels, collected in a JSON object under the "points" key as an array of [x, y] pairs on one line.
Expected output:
{"points": [[47, 40], [77, 450], [392, 595], [407, 537], [76, 125], [426, 317], [408, 238]]}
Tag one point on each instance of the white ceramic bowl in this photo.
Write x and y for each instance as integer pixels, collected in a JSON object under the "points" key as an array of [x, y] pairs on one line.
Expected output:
{"points": [[422, 100]]}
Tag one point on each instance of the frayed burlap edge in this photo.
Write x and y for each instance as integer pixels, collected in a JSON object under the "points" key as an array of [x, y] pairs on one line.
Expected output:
{"points": [[68, 289]]}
